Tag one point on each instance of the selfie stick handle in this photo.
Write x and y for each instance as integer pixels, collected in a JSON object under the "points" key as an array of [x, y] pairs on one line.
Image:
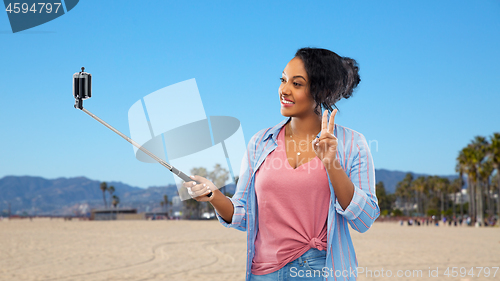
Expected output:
{"points": [[180, 174]]}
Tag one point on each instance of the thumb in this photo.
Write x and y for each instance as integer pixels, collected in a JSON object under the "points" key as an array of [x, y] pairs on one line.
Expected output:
{"points": [[315, 143], [315, 147], [197, 178]]}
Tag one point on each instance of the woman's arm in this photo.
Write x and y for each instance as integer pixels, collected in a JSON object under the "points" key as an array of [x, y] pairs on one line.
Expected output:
{"points": [[362, 209], [342, 185], [223, 206]]}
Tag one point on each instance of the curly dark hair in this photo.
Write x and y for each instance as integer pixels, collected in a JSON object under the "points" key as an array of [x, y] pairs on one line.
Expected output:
{"points": [[331, 77]]}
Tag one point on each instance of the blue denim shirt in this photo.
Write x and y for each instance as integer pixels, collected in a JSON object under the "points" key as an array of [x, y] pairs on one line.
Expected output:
{"points": [[356, 160]]}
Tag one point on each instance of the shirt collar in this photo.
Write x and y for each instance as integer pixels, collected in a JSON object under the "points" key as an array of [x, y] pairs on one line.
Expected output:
{"points": [[273, 132]]}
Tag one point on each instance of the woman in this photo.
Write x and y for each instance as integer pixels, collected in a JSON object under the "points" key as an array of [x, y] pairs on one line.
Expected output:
{"points": [[303, 180]]}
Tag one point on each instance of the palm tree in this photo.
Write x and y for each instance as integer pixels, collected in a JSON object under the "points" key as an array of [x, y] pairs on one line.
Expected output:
{"points": [[441, 187], [454, 188], [496, 186], [419, 186], [432, 201], [480, 146], [403, 191], [384, 200], [165, 202], [486, 171], [494, 152], [104, 187], [116, 201], [460, 168], [466, 161], [111, 190], [478, 161]]}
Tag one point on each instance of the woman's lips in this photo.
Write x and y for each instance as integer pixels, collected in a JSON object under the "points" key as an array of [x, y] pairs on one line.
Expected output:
{"points": [[286, 104]]}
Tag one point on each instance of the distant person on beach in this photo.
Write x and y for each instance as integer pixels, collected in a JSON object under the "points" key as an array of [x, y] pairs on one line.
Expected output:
{"points": [[303, 180]]}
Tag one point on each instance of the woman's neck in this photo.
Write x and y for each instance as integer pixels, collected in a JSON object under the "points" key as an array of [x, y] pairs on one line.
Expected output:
{"points": [[305, 127]]}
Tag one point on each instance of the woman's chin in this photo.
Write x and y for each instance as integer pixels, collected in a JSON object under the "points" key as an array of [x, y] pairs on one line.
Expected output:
{"points": [[285, 112]]}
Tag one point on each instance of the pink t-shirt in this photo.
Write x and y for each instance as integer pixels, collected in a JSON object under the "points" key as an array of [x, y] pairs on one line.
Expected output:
{"points": [[292, 209]]}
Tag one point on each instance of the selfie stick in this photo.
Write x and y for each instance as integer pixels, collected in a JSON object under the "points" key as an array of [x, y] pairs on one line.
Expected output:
{"points": [[82, 90]]}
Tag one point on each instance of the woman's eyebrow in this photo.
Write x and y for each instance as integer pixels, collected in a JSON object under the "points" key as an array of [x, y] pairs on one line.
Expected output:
{"points": [[298, 76]]}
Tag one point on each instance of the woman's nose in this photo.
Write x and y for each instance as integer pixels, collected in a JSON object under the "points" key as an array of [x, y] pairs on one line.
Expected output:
{"points": [[284, 89]]}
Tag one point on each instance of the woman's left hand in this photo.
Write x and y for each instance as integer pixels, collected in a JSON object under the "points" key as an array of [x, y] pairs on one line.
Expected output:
{"points": [[325, 146]]}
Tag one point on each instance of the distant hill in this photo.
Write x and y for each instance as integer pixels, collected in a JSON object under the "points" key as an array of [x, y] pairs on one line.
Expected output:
{"points": [[36, 195], [391, 178], [64, 196]]}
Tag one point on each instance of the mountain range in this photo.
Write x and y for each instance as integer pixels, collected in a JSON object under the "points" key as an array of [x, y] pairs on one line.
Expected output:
{"points": [[28, 195]]}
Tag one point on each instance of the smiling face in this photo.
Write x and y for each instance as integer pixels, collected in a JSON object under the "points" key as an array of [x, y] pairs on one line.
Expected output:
{"points": [[293, 92]]}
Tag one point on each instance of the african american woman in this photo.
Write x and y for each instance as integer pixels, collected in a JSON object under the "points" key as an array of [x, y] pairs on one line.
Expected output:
{"points": [[303, 180]]}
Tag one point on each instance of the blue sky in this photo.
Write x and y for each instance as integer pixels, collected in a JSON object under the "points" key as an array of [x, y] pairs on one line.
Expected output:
{"points": [[429, 71]]}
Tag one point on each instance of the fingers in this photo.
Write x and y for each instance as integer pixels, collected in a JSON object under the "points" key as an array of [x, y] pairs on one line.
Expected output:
{"points": [[199, 190], [327, 128], [327, 140], [193, 186], [315, 143], [324, 120], [326, 125], [199, 187], [327, 137], [331, 124], [198, 178], [326, 145]]}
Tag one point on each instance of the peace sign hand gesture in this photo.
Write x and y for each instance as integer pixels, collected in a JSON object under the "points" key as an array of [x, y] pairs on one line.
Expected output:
{"points": [[325, 146]]}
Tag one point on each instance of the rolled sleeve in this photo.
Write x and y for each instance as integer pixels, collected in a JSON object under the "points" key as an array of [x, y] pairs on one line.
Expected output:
{"points": [[238, 221], [363, 209], [356, 206]]}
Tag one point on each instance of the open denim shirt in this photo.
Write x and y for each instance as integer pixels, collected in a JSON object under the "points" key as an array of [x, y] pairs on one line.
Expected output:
{"points": [[356, 160]]}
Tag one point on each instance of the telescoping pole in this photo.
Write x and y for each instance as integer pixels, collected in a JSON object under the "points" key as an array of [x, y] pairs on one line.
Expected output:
{"points": [[82, 89]]}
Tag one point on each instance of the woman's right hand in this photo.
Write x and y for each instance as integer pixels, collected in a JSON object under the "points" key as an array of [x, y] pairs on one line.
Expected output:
{"points": [[199, 191]]}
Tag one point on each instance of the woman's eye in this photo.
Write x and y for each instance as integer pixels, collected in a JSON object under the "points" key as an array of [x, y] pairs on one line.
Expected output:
{"points": [[297, 84], [282, 80]]}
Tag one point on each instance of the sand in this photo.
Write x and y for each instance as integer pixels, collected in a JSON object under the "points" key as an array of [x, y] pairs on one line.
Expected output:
{"points": [[45, 249]]}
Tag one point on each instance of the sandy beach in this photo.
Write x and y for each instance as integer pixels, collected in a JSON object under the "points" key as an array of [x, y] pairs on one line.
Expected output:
{"points": [[45, 249]]}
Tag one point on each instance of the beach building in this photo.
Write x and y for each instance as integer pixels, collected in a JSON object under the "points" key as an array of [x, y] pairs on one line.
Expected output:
{"points": [[116, 214]]}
